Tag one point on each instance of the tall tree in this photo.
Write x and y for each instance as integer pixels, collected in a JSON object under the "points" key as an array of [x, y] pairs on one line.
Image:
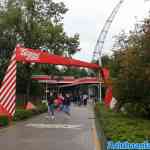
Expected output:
{"points": [[132, 82], [34, 23]]}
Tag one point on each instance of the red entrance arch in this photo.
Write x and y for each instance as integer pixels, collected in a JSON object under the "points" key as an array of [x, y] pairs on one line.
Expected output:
{"points": [[28, 55]]}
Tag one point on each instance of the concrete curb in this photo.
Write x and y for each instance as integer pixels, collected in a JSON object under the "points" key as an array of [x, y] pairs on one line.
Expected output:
{"points": [[96, 139]]}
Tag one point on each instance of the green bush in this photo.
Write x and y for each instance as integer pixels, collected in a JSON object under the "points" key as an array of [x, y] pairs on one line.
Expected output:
{"points": [[22, 114], [42, 108], [4, 121], [119, 127], [137, 109]]}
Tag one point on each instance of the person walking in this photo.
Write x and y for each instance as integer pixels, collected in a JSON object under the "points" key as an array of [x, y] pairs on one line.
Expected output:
{"points": [[85, 99], [59, 102], [66, 104], [79, 99], [50, 100]]}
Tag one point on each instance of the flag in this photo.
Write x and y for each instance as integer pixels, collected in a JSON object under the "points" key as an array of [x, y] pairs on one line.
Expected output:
{"points": [[105, 73], [108, 96]]}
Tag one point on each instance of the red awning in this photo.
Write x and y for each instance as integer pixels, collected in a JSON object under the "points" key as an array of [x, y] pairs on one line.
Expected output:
{"points": [[84, 80], [73, 82], [53, 80]]}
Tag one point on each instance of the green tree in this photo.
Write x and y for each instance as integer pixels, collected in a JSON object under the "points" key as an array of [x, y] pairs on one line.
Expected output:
{"points": [[34, 23], [76, 72], [132, 73]]}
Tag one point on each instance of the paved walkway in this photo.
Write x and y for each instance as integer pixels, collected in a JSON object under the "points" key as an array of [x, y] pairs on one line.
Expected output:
{"points": [[41, 133]]}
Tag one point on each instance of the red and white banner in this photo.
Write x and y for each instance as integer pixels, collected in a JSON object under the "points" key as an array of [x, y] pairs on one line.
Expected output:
{"points": [[108, 93], [105, 73], [108, 96], [38, 56]]}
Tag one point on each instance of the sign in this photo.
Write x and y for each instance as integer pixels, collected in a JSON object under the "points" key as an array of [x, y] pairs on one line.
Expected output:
{"points": [[38, 56]]}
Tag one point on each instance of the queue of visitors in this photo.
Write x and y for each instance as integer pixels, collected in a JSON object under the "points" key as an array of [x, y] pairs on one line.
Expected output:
{"points": [[81, 99], [62, 102]]}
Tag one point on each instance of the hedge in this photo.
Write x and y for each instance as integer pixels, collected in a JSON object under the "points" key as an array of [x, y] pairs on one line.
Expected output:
{"points": [[120, 127], [22, 114], [4, 121]]}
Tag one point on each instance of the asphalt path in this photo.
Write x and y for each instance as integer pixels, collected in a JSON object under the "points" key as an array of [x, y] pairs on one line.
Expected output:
{"points": [[42, 133]]}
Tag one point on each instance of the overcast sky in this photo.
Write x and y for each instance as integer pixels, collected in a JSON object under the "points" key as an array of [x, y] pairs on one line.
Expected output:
{"points": [[87, 18]]}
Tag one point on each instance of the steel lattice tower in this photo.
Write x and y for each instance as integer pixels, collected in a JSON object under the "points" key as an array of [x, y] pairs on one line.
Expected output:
{"points": [[101, 39]]}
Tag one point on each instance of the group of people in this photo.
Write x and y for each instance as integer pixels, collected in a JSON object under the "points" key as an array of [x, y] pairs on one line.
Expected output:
{"points": [[58, 102], [62, 102], [81, 99]]}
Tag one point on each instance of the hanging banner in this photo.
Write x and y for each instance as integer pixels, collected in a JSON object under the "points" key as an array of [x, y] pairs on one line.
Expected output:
{"points": [[105, 73], [38, 56], [108, 97]]}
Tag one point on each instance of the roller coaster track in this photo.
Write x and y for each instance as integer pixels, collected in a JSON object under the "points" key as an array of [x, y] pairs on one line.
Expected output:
{"points": [[103, 34]]}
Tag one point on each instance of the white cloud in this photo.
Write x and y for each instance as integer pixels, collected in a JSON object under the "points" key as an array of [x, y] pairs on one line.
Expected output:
{"points": [[87, 18]]}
